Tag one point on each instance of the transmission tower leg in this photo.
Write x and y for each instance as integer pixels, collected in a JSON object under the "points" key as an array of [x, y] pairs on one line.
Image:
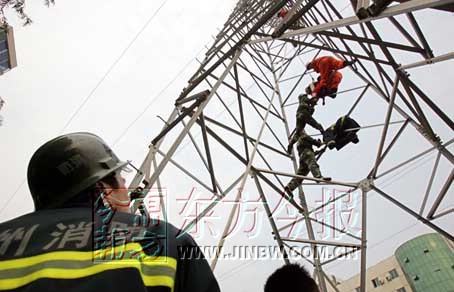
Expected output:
{"points": [[153, 177], [145, 167], [364, 190], [363, 242], [161, 196]]}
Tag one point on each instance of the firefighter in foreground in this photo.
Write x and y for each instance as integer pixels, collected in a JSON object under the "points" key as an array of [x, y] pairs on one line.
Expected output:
{"points": [[329, 79], [81, 236]]}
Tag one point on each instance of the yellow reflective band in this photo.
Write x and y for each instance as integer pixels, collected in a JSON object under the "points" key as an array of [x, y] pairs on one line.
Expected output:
{"points": [[86, 255], [156, 271], [80, 273]]}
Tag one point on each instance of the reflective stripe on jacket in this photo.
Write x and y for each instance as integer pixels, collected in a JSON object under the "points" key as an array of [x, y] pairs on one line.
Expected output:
{"points": [[66, 250]]}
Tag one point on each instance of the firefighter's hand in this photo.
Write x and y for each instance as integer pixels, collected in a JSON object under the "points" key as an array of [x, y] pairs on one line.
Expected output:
{"points": [[349, 63], [313, 101], [319, 142], [289, 149]]}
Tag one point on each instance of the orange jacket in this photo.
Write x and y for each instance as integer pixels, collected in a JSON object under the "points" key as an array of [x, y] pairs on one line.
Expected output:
{"points": [[282, 13], [327, 67], [336, 78]]}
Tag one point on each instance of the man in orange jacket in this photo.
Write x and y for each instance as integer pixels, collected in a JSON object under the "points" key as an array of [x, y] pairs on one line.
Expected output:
{"points": [[282, 13], [329, 79]]}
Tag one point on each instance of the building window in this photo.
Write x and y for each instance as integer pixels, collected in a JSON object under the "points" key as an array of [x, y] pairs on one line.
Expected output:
{"points": [[415, 277], [401, 290], [393, 273], [406, 260], [426, 251], [376, 282]]}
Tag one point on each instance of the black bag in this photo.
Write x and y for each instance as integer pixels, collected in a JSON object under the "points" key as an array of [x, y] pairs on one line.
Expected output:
{"points": [[341, 133]]}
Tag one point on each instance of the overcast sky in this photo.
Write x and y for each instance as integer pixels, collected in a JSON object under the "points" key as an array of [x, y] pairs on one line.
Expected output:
{"points": [[111, 69]]}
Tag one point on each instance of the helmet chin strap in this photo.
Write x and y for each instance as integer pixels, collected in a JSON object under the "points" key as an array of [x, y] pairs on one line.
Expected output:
{"points": [[106, 194], [123, 203]]}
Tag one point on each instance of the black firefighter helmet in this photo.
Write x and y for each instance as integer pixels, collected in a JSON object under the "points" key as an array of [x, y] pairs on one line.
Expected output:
{"points": [[67, 165]]}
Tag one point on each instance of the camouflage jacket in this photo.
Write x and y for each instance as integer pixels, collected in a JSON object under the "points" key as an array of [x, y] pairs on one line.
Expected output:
{"points": [[305, 106]]}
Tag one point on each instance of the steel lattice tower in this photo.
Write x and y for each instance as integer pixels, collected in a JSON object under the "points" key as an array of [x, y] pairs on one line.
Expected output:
{"points": [[253, 72]]}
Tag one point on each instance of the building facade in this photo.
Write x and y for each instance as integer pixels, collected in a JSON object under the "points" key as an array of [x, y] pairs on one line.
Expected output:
{"points": [[428, 263], [7, 49], [386, 276], [422, 264]]}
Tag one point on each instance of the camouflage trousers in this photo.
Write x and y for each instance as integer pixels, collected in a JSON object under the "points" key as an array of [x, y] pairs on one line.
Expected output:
{"points": [[305, 117], [307, 163]]}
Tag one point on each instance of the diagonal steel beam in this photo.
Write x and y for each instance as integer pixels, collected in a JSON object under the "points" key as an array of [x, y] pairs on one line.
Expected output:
{"points": [[410, 6], [429, 185], [441, 196], [270, 218], [191, 122], [414, 214], [240, 108], [385, 128], [419, 33], [273, 10], [371, 41]]}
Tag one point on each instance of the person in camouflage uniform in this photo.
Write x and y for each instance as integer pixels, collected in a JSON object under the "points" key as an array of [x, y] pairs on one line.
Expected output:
{"points": [[304, 146], [305, 111], [307, 159]]}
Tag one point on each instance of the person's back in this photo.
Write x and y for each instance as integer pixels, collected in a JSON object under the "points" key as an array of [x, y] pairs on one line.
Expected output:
{"points": [[81, 238], [65, 250], [304, 141], [304, 114], [329, 79], [324, 65], [305, 104]]}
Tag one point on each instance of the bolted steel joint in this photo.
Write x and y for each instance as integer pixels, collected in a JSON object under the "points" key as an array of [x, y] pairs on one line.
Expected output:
{"points": [[366, 184]]}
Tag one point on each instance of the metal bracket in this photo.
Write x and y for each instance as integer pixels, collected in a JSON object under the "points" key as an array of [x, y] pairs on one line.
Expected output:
{"points": [[366, 184]]}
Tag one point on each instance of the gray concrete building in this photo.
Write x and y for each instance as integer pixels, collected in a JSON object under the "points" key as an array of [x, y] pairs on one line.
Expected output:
{"points": [[386, 276], [7, 49]]}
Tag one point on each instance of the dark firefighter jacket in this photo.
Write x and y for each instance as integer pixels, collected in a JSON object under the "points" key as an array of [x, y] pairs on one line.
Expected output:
{"points": [[73, 249], [341, 133]]}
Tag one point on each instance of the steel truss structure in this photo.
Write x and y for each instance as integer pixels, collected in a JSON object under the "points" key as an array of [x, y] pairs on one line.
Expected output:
{"points": [[253, 72]]}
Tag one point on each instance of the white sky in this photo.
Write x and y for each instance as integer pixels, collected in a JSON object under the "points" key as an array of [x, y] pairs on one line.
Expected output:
{"points": [[69, 49]]}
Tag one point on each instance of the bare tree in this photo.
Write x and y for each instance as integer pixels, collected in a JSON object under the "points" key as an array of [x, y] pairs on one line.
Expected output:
{"points": [[19, 7]]}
